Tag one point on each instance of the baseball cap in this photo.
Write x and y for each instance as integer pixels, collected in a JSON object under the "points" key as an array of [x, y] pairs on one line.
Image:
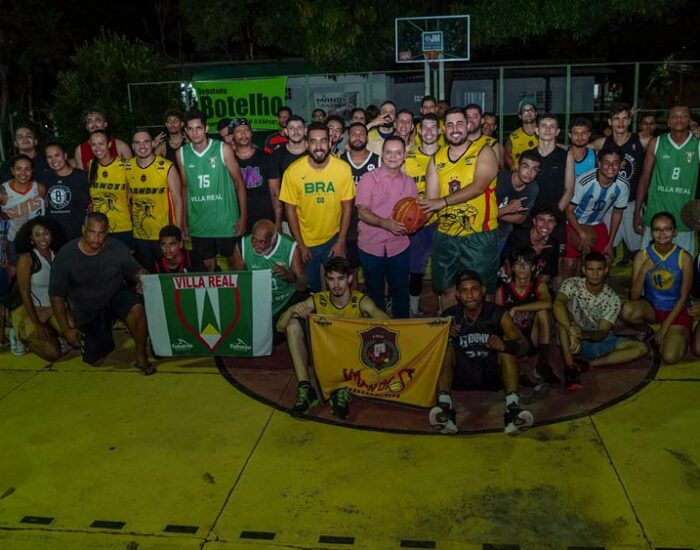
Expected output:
{"points": [[468, 275], [238, 122], [527, 101]]}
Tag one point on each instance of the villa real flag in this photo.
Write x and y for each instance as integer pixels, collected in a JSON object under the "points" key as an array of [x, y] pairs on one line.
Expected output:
{"points": [[226, 313], [396, 360]]}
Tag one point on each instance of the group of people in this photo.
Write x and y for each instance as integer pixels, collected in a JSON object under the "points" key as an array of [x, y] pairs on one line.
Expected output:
{"points": [[509, 227]]}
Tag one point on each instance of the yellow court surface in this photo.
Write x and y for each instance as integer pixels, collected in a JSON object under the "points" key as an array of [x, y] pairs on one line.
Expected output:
{"points": [[105, 458]]}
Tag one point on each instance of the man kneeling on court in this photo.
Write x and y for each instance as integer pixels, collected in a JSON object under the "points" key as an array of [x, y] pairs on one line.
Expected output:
{"points": [[90, 273], [485, 344], [339, 300]]}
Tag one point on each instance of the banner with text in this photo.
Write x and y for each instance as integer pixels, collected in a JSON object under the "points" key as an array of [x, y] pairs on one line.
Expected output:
{"points": [[210, 313], [257, 100], [339, 103], [396, 360]]}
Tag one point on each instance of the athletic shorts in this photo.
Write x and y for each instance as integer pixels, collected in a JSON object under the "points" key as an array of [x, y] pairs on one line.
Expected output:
{"points": [[146, 252], [421, 245], [209, 247], [477, 373], [559, 233], [601, 241], [451, 255], [96, 331], [352, 254], [683, 319], [594, 350]]}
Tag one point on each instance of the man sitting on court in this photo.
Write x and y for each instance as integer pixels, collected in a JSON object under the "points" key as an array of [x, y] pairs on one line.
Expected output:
{"points": [[586, 309], [485, 345], [339, 300], [174, 257], [265, 248], [90, 273]]}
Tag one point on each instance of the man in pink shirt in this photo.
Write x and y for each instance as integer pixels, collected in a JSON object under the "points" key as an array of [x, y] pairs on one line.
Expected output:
{"points": [[382, 241]]}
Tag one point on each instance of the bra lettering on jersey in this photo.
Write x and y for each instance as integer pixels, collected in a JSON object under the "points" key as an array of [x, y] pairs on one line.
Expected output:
{"points": [[318, 187]]}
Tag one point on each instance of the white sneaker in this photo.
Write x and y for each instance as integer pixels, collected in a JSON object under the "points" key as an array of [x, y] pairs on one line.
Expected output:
{"points": [[442, 418], [17, 347], [65, 346], [517, 420]]}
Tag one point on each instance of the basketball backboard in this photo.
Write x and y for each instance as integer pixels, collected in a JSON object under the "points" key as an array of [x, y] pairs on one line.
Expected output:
{"points": [[444, 37]]}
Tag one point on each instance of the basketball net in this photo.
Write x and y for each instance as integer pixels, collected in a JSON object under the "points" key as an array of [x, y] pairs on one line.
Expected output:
{"points": [[432, 58]]}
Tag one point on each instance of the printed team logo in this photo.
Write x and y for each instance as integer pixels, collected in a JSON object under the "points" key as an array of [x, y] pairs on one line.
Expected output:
{"points": [[59, 197], [453, 186], [689, 156], [661, 279], [200, 307], [212, 162], [379, 349]]}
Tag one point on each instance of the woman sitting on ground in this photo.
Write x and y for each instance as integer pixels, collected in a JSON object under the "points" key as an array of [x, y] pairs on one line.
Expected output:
{"points": [[662, 277], [34, 322]]}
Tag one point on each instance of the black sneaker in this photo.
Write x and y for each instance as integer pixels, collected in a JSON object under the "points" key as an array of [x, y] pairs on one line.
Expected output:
{"points": [[339, 403], [443, 418], [516, 420], [544, 372], [583, 366], [572, 379], [307, 399]]}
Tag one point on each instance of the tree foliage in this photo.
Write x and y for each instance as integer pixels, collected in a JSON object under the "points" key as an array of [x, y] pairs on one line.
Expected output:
{"points": [[337, 36], [101, 70]]}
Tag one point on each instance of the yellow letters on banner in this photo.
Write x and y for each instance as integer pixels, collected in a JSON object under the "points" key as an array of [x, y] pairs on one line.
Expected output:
{"points": [[395, 360]]}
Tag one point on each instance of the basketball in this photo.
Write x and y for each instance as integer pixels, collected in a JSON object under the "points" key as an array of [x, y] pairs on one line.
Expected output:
{"points": [[576, 242], [690, 214], [407, 212]]}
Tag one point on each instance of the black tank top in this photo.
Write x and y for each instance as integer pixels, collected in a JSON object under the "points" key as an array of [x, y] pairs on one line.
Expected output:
{"points": [[511, 298], [473, 335], [170, 152], [633, 153]]}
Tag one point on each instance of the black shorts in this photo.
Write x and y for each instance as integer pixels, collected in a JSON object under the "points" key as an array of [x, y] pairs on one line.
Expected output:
{"points": [[209, 247], [559, 233], [477, 373], [146, 252], [351, 254], [96, 331]]}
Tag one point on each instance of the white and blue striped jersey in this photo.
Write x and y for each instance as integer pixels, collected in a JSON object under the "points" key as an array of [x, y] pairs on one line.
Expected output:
{"points": [[593, 201]]}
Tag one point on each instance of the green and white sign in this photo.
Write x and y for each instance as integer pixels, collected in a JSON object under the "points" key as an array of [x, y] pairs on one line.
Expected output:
{"points": [[257, 100], [210, 313]]}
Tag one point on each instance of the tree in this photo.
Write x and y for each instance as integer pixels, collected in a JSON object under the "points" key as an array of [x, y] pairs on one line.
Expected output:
{"points": [[101, 70]]}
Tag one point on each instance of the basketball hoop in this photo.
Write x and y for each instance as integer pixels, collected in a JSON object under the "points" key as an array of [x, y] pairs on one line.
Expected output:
{"points": [[432, 57]]}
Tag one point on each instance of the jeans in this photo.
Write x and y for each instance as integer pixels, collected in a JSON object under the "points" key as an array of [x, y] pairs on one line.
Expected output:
{"points": [[319, 256], [395, 270]]}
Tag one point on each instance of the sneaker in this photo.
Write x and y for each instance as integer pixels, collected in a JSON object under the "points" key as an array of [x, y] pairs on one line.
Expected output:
{"points": [[516, 420], [544, 372], [572, 379], [17, 347], [339, 403], [307, 399], [537, 393], [443, 418], [583, 365], [65, 346]]}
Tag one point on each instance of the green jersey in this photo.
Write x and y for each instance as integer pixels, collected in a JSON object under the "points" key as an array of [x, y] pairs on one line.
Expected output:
{"points": [[674, 179], [282, 253], [212, 204]]}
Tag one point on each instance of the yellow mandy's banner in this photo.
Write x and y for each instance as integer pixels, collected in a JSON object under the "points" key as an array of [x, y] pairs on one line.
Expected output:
{"points": [[395, 360], [258, 100]]}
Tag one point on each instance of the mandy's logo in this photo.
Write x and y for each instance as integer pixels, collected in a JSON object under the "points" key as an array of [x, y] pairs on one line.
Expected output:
{"points": [[379, 349]]}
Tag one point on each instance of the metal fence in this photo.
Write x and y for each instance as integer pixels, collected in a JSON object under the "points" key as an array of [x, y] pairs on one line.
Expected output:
{"points": [[566, 90]]}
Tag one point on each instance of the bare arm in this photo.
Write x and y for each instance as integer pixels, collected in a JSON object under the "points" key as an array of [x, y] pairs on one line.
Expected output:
{"points": [[370, 309], [275, 184], [175, 188], [569, 181], [58, 305], [615, 221], [78, 156], [338, 248], [235, 171], [301, 310], [293, 221], [238, 263], [641, 266], [512, 334], [123, 150], [643, 186], [24, 274], [686, 285], [183, 187], [507, 154]]}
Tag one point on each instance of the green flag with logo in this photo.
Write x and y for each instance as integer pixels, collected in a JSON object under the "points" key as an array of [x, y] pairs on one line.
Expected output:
{"points": [[210, 313]]}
